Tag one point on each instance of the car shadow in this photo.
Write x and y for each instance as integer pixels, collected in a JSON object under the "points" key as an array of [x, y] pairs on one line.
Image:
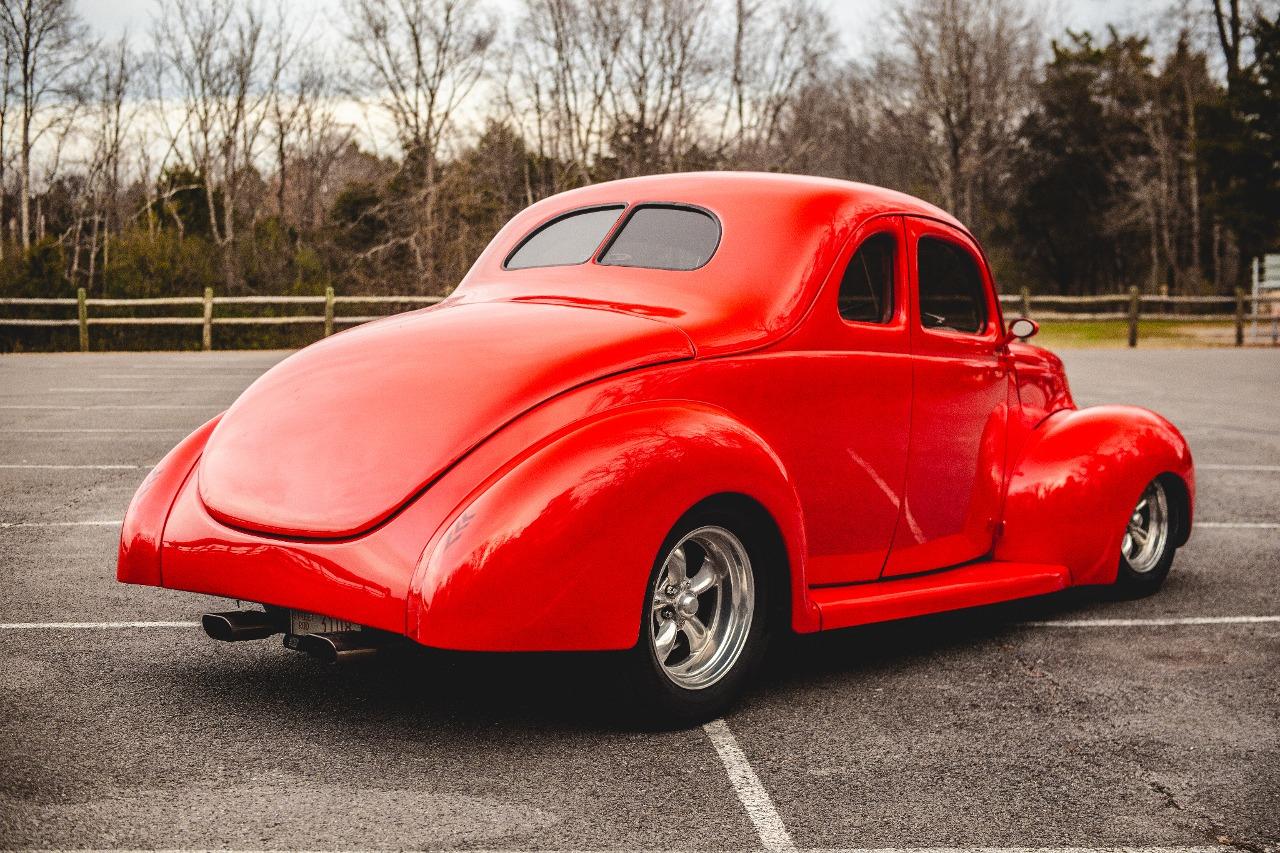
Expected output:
{"points": [[575, 693]]}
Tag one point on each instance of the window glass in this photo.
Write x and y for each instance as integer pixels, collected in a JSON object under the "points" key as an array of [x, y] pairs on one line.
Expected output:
{"points": [[571, 239], [665, 238], [951, 290], [866, 291]]}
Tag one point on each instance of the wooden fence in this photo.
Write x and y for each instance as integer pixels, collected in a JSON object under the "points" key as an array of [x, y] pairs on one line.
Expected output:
{"points": [[1131, 308]]}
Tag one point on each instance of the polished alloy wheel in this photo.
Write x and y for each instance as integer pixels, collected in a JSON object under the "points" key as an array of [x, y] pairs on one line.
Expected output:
{"points": [[703, 602], [1148, 530]]}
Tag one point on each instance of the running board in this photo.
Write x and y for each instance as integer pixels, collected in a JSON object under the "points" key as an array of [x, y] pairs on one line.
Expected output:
{"points": [[972, 585]]}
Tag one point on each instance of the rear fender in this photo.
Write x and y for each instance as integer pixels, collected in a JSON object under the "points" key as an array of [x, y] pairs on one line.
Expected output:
{"points": [[139, 557], [1079, 477], [554, 551]]}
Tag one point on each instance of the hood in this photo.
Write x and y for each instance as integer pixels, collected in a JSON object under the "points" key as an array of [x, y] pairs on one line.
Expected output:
{"points": [[337, 437]]}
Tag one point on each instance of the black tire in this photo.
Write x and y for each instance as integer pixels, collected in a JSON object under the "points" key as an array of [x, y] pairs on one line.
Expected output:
{"points": [[1148, 575], [657, 701]]}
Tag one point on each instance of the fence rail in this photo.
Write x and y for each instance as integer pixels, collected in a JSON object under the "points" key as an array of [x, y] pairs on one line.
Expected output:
{"points": [[1133, 307]]}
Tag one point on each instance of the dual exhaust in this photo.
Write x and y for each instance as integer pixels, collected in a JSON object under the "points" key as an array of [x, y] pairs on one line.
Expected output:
{"points": [[234, 626]]}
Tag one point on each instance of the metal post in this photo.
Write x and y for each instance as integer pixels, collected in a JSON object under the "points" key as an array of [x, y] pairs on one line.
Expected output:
{"points": [[82, 312], [328, 311], [206, 342], [1135, 302], [1026, 301], [1239, 317]]}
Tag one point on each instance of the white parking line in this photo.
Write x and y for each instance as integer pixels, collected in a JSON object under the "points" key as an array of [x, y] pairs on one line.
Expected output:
{"points": [[121, 430], [1238, 525], [90, 626], [746, 784], [1215, 467], [1150, 623], [97, 390], [70, 408], [8, 524], [76, 467]]}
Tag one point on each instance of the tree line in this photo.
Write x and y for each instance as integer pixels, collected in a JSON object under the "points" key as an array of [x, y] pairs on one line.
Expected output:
{"points": [[232, 146]]}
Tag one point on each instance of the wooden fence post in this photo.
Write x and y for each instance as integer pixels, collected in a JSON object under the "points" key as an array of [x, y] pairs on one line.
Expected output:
{"points": [[206, 341], [1239, 317], [82, 313], [328, 311], [1026, 301], [1135, 306]]}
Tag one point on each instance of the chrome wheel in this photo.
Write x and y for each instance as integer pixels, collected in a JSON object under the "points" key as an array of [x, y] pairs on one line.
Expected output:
{"points": [[703, 601], [1148, 530]]}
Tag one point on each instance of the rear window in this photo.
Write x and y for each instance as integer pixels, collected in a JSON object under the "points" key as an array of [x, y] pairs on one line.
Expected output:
{"points": [[664, 237], [571, 239]]}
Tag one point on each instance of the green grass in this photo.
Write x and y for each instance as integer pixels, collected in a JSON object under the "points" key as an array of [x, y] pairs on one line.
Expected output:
{"points": [[1115, 333]]}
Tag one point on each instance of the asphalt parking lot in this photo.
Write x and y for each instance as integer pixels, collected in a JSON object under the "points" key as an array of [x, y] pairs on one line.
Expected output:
{"points": [[1067, 722]]}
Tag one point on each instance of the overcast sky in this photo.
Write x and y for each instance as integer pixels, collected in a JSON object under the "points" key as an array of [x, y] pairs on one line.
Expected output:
{"points": [[112, 17]]}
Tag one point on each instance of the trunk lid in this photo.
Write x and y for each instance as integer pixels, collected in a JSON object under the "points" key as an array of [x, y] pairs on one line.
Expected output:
{"points": [[336, 438]]}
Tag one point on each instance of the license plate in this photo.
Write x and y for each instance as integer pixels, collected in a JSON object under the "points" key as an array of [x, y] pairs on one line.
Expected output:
{"points": [[302, 622]]}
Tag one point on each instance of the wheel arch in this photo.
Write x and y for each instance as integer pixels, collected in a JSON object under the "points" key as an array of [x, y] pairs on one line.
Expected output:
{"points": [[633, 471], [1070, 494]]}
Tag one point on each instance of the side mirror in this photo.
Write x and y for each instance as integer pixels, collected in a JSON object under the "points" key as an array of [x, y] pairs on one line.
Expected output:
{"points": [[1021, 328]]}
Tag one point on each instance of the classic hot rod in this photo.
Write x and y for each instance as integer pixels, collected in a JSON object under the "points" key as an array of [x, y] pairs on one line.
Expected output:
{"points": [[667, 415]]}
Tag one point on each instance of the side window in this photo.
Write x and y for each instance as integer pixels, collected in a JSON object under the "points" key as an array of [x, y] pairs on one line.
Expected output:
{"points": [[571, 239], [866, 290], [951, 290]]}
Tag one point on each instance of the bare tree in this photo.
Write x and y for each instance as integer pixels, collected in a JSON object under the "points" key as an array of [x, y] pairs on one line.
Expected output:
{"points": [[420, 59], [213, 60], [961, 71], [48, 44]]}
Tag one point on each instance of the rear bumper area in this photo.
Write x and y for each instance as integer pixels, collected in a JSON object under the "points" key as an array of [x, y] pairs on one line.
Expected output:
{"points": [[363, 580]]}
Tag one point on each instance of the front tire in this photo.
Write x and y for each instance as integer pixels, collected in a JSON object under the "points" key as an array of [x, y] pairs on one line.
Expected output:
{"points": [[1146, 552], [703, 627]]}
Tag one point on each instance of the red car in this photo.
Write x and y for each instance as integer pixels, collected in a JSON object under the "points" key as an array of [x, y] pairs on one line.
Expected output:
{"points": [[667, 415]]}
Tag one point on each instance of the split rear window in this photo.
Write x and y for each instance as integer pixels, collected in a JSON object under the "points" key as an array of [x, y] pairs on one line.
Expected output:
{"points": [[570, 239], [653, 236]]}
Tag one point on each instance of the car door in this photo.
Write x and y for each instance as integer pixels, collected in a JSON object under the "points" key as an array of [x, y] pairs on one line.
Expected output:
{"points": [[959, 409], [851, 390]]}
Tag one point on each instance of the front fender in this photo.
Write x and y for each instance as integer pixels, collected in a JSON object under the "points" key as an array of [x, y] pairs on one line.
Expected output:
{"points": [[138, 560], [554, 552], [1081, 472]]}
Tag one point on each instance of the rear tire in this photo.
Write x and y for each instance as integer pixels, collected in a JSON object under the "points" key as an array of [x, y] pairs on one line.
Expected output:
{"points": [[1148, 547], [703, 625]]}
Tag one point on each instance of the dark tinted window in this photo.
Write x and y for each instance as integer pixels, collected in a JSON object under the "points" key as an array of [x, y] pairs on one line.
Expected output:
{"points": [[571, 239], [866, 291], [951, 292], [664, 238]]}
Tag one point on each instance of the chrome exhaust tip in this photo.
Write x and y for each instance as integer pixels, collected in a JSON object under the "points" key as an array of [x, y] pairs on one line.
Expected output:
{"points": [[234, 626], [337, 646]]}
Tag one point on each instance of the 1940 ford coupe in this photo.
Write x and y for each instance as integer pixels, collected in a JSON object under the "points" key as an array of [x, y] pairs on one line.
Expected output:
{"points": [[667, 415]]}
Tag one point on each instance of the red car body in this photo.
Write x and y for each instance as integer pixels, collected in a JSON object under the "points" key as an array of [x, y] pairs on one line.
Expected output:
{"points": [[498, 472]]}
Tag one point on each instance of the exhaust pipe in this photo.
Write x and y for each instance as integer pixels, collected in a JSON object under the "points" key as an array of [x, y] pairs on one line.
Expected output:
{"points": [[236, 625], [338, 645]]}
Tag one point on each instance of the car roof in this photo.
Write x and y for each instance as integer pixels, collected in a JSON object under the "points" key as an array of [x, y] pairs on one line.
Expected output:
{"points": [[781, 236]]}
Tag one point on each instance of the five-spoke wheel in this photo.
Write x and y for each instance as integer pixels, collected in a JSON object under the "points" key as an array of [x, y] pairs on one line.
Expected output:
{"points": [[702, 607]]}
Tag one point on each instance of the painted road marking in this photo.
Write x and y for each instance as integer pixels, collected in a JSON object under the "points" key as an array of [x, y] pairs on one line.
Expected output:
{"points": [[121, 430], [1238, 525], [8, 524], [76, 467], [71, 408], [746, 784], [90, 626], [1271, 469], [1150, 623]]}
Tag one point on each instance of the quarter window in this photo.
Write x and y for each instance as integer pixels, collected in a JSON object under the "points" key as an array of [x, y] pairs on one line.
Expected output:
{"points": [[952, 295], [664, 237], [571, 239], [866, 290]]}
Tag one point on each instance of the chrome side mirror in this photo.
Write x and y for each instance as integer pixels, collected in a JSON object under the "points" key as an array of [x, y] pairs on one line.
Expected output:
{"points": [[1020, 329]]}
